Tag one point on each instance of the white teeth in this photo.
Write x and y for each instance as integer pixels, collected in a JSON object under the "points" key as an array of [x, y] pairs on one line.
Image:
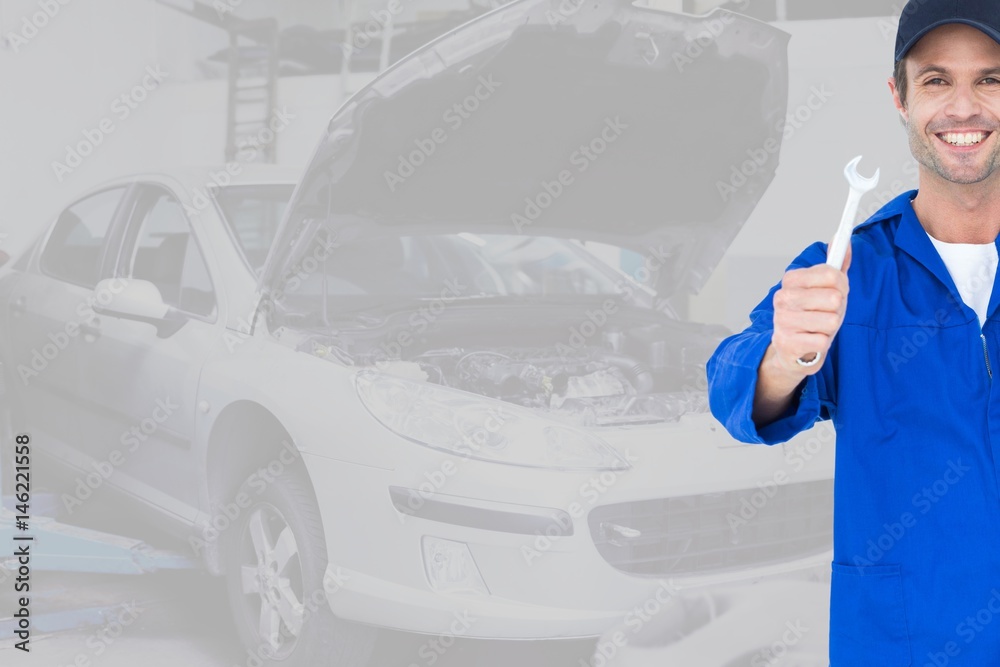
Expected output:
{"points": [[966, 139]]}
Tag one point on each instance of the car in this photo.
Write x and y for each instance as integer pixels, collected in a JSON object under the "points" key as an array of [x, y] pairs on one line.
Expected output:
{"points": [[424, 401]]}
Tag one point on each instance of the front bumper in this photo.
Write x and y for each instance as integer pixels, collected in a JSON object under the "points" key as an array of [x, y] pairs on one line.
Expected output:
{"points": [[538, 588], [795, 591]]}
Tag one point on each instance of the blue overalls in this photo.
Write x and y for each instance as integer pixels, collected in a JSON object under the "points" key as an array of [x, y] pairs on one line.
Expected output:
{"points": [[908, 383]]}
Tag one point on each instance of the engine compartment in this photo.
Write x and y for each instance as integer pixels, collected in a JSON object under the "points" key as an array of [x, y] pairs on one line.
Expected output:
{"points": [[642, 370]]}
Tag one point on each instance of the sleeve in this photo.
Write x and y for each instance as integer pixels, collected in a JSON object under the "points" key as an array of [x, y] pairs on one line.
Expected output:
{"points": [[732, 375]]}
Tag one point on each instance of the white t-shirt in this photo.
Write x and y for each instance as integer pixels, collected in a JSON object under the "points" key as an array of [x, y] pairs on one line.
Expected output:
{"points": [[973, 267]]}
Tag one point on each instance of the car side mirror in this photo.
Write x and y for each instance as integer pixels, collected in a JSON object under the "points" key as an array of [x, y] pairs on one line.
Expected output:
{"points": [[139, 301]]}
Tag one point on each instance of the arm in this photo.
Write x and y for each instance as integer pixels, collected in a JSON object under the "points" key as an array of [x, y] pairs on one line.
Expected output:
{"points": [[756, 388], [776, 389], [808, 312]]}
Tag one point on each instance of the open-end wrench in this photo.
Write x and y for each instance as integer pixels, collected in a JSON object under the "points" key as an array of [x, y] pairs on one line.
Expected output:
{"points": [[837, 251], [860, 186]]}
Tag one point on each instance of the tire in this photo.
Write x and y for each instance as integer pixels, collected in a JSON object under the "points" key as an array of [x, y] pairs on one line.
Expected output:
{"points": [[274, 553]]}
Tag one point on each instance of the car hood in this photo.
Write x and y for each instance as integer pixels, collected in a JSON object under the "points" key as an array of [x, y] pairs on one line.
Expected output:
{"points": [[606, 121]]}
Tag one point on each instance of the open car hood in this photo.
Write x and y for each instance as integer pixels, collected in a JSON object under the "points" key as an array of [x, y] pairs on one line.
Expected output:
{"points": [[604, 121]]}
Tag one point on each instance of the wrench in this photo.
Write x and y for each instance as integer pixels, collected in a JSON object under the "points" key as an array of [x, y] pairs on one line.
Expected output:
{"points": [[837, 252], [860, 186]]}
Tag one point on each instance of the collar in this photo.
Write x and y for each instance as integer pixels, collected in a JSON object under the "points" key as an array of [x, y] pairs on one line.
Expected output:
{"points": [[912, 238]]}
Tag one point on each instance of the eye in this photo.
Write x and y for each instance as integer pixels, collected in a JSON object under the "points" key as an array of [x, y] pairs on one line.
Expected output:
{"points": [[936, 81], [991, 81]]}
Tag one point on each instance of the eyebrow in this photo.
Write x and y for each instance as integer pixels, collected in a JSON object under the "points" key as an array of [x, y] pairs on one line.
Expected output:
{"points": [[927, 69]]}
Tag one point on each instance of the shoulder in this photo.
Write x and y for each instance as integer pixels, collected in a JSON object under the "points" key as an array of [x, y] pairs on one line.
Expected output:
{"points": [[878, 233], [872, 241]]}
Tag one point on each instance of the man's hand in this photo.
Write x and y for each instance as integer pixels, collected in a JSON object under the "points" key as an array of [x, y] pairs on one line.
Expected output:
{"points": [[808, 312]]}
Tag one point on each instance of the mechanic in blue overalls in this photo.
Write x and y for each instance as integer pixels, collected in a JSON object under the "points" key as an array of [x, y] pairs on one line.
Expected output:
{"points": [[904, 367]]}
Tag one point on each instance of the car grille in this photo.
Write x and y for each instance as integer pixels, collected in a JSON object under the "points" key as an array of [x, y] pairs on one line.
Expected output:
{"points": [[714, 532]]}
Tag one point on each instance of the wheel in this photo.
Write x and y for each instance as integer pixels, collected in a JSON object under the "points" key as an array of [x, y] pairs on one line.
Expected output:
{"points": [[275, 563]]}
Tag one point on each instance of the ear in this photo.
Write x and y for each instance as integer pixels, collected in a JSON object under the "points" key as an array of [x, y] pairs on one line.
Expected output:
{"points": [[900, 105]]}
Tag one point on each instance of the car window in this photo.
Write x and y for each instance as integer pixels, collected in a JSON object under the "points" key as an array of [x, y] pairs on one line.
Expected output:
{"points": [[167, 255], [486, 264], [75, 247], [253, 213]]}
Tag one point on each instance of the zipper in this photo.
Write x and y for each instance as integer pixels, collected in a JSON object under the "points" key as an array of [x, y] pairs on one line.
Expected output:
{"points": [[986, 355]]}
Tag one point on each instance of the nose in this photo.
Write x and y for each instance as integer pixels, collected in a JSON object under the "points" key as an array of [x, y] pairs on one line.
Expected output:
{"points": [[964, 103]]}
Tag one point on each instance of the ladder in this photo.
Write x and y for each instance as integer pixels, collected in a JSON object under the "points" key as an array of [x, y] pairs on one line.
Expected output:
{"points": [[253, 89], [253, 77]]}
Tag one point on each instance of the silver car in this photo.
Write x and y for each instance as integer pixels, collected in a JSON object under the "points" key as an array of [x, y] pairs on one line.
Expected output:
{"points": [[427, 401]]}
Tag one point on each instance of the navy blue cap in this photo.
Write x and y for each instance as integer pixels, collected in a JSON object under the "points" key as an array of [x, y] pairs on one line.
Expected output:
{"points": [[921, 16]]}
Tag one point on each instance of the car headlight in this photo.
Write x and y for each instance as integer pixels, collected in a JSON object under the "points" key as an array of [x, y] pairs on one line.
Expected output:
{"points": [[480, 428]]}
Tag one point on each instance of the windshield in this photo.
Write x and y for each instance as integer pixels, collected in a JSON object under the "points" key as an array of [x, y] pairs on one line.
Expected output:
{"points": [[253, 213], [379, 271]]}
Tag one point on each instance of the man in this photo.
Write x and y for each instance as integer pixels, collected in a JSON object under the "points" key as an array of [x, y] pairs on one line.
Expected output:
{"points": [[904, 368]]}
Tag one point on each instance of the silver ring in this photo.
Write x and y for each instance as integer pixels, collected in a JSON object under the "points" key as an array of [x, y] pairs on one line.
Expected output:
{"points": [[810, 364]]}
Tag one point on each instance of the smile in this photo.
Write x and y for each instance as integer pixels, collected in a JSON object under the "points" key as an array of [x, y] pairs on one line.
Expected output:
{"points": [[964, 138]]}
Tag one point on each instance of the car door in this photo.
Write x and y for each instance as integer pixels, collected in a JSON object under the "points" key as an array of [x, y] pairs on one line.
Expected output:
{"points": [[49, 321], [143, 387]]}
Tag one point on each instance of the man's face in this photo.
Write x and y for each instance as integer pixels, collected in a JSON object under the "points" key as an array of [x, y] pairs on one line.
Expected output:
{"points": [[952, 110]]}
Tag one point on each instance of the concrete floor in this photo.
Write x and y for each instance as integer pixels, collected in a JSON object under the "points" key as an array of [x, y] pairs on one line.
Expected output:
{"points": [[182, 618], [188, 625]]}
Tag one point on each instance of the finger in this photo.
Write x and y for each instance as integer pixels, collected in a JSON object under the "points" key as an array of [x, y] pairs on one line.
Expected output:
{"points": [[820, 275], [822, 299], [808, 322]]}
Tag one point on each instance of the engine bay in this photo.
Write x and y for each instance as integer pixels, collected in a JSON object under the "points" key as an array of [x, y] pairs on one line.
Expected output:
{"points": [[632, 373]]}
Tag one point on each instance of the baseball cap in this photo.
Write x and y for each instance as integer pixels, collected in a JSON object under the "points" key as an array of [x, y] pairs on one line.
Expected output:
{"points": [[921, 16]]}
